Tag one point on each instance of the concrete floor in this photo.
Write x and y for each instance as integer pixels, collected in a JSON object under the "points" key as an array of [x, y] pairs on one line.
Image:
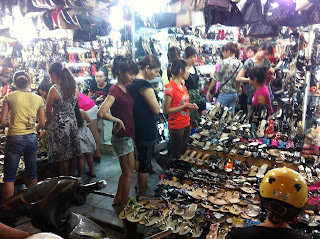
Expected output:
{"points": [[99, 208]]}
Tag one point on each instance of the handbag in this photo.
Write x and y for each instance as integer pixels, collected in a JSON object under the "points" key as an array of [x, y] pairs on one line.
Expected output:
{"points": [[219, 3], [296, 19], [200, 5], [183, 19], [174, 6], [235, 18], [260, 30], [274, 15], [215, 95], [251, 11], [198, 19], [315, 16], [214, 15]]}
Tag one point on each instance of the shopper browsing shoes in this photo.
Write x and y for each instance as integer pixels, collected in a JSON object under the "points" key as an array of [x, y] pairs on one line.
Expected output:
{"points": [[87, 143], [284, 193], [226, 75], [23, 107], [91, 109], [260, 59], [86, 104], [121, 104], [176, 104], [63, 144], [145, 107], [257, 78]]}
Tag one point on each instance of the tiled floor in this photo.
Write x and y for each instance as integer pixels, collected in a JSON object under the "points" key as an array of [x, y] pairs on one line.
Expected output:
{"points": [[99, 207]]}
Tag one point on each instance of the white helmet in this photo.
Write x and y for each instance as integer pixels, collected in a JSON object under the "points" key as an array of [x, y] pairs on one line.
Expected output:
{"points": [[44, 235]]}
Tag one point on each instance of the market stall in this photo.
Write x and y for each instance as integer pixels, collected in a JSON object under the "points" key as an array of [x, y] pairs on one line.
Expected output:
{"points": [[217, 179]]}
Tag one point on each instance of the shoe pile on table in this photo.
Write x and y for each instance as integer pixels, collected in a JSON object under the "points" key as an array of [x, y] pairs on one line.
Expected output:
{"points": [[278, 138]]}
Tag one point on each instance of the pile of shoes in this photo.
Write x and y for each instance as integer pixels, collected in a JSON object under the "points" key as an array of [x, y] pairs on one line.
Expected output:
{"points": [[192, 198]]}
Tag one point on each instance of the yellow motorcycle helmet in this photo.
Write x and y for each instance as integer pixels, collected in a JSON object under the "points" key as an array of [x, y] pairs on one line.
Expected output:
{"points": [[286, 185]]}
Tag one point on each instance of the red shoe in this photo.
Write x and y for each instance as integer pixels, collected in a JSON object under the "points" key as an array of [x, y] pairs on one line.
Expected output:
{"points": [[229, 166]]}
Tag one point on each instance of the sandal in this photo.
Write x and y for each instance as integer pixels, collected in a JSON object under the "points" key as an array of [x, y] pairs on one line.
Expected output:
{"points": [[224, 208], [262, 170], [235, 210], [190, 211], [184, 228], [253, 210], [138, 214], [247, 188], [132, 204]]}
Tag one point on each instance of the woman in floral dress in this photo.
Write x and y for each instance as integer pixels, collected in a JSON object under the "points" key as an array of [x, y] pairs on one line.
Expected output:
{"points": [[63, 142]]}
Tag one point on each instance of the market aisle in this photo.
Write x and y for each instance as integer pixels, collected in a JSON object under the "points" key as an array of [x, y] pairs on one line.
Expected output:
{"points": [[100, 207]]}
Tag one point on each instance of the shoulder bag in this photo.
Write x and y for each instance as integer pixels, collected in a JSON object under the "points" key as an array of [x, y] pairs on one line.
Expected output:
{"points": [[222, 85]]}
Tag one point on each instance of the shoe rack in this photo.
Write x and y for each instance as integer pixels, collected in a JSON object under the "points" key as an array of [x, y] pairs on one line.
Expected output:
{"points": [[251, 161]]}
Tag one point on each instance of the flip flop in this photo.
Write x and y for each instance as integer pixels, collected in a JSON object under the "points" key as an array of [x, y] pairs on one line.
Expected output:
{"points": [[190, 211], [184, 228], [225, 208], [253, 210], [138, 214], [235, 209], [247, 188], [196, 231]]}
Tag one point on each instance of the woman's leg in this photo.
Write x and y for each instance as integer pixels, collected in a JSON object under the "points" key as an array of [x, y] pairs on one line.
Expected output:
{"points": [[233, 101], [63, 168], [127, 166], [14, 148], [72, 166], [223, 99], [176, 140], [145, 155], [89, 159], [81, 165], [94, 130], [30, 160]]}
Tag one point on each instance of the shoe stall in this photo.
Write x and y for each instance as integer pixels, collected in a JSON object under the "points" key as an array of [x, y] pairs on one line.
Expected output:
{"points": [[214, 186], [36, 34]]}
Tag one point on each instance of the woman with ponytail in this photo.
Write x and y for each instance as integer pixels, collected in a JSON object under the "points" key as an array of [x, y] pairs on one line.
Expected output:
{"points": [[176, 105], [120, 102], [23, 107], [226, 75], [145, 108], [63, 145]]}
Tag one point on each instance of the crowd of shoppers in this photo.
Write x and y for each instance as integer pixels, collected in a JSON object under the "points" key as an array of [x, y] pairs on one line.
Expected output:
{"points": [[131, 104]]}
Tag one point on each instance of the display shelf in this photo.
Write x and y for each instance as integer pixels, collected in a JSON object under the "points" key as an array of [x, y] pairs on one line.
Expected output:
{"points": [[250, 160], [77, 64]]}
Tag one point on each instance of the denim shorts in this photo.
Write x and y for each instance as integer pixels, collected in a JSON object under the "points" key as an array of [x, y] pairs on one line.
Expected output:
{"points": [[122, 145], [17, 146]]}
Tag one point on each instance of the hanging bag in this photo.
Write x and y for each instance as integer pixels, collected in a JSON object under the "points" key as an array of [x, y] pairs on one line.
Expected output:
{"points": [[199, 5], [219, 3], [315, 15], [260, 30], [275, 13], [183, 19], [251, 11], [235, 18]]}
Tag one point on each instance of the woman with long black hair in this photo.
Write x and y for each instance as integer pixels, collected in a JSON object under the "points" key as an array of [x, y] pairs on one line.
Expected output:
{"points": [[63, 142]]}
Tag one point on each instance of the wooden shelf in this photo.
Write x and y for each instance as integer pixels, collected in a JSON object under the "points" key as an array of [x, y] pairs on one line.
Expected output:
{"points": [[251, 161]]}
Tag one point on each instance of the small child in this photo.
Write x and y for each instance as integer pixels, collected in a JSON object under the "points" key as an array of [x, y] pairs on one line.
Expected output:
{"points": [[87, 142]]}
